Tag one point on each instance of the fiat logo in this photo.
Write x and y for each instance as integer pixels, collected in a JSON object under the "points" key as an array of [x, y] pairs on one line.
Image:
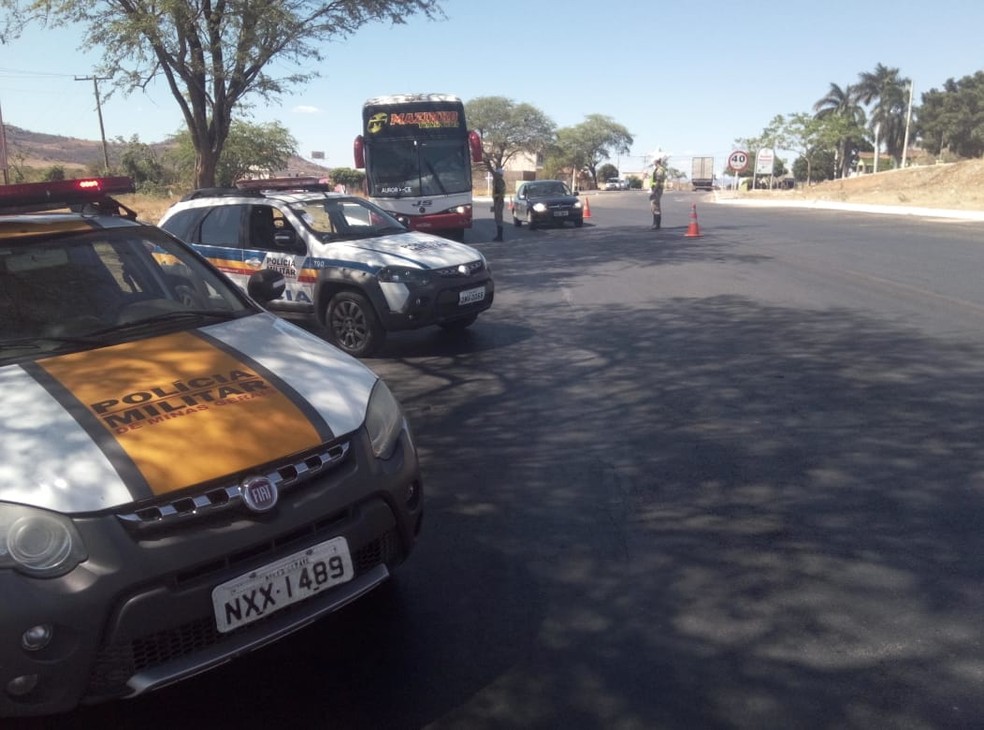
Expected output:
{"points": [[259, 493]]}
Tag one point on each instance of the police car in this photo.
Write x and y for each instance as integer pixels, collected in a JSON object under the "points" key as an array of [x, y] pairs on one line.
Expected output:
{"points": [[183, 476], [349, 265]]}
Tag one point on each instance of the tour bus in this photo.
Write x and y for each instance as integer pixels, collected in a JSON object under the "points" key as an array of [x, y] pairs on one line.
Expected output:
{"points": [[417, 153]]}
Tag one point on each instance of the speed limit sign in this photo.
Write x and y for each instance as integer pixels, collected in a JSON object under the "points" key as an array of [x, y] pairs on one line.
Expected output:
{"points": [[738, 160]]}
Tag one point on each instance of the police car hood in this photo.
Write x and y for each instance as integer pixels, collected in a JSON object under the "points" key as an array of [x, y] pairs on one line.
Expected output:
{"points": [[102, 428], [421, 250]]}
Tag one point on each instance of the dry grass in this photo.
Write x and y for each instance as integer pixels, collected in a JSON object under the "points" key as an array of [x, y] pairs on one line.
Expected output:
{"points": [[149, 208], [954, 186]]}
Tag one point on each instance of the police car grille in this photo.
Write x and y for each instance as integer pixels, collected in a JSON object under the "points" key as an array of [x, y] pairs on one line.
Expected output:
{"points": [[116, 663], [210, 501], [453, 272]]}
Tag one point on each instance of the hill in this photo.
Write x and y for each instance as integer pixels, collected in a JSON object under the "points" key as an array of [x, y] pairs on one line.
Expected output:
{"points": [[33, 149]]}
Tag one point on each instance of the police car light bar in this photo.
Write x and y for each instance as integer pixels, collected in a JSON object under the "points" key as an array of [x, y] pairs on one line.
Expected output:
{"points": [[286, 183], [58, 193]]}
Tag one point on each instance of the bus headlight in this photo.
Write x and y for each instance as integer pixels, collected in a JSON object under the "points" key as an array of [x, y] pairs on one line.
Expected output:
{"points": [[38, 543]]}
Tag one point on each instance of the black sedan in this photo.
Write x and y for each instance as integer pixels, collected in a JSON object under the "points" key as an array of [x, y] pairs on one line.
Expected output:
{"points": [[546, 203]]}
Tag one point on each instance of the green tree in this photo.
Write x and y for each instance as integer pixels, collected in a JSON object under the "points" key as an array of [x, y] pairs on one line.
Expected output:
{"points": [[251, 150], [607, 171], [842, 114], [816, 166], [592, 142], [508, 129], [952, 119], [53, 173], [351, 178], [887, 96], [216, 57], [141, 162]]}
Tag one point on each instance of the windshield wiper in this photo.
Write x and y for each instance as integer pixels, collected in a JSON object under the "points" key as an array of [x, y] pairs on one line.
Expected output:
{"points": [[176, 315], [34, 341]]}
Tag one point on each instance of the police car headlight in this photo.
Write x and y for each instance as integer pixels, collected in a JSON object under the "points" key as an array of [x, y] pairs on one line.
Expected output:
{"points": [[540, 208], [38, 543], [384, 421], [403, 275]]}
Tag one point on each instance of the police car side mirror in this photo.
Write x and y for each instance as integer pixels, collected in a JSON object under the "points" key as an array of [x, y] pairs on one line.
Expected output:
{"points": [[266, 285]]}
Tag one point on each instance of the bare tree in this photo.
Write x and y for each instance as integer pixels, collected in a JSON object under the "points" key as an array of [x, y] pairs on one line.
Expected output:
{"points": [[214, 55]]}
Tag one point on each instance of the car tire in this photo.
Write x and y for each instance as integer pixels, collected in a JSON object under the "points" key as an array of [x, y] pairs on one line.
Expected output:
{"points": [[456, 325], [578, 222], [531, 223], [517, 222], [352, 324]]}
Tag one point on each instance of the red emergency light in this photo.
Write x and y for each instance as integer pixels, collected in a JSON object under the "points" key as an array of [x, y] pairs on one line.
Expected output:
{"points": [[61, 193], [359, 151], [475, 146]]}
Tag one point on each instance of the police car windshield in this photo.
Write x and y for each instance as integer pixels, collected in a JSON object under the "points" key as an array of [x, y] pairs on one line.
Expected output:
{"points": [[69, 292], [346, 218]]}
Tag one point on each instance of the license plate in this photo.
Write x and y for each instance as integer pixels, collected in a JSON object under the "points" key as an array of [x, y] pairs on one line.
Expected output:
{"points": [[277, 585], [561, 213], [470, 296]]}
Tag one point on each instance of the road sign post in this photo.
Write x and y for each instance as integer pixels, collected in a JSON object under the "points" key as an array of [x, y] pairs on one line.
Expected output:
{"points": [[738, 162]]}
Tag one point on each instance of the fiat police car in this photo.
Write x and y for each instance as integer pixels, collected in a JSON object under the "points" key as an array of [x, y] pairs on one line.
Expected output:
{"points": [[348, 264], [184, 477]]}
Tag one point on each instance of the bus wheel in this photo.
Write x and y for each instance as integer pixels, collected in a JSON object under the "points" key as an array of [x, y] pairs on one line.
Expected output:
{"points": [[353, 325]]}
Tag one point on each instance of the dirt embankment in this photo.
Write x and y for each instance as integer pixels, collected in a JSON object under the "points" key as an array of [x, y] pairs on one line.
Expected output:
{"points": [[956, 185]]}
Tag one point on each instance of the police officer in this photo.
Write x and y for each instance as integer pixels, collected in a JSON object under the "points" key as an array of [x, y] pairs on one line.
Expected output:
{"points": [[656, 193], [498, 200]]}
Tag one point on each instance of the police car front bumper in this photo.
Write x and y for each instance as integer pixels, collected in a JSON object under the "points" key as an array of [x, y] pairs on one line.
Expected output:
{"points": [[139, 613], [442, 300]]}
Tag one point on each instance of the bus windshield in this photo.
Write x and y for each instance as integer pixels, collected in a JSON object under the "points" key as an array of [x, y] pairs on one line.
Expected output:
{"points": [[413, 167]]}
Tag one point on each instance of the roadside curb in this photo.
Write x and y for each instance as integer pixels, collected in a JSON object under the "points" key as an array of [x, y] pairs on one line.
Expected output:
{"points": [[948, 213]]}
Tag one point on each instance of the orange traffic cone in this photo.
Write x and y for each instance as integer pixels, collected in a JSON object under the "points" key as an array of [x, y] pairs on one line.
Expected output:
{"points": [[693, 230], [587, 207]]}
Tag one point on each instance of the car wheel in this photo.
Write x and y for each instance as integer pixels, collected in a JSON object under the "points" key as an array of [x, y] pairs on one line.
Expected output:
{"points": [[531, 222], [578, 222], [456, 325], [516, 221], [353, 325]]}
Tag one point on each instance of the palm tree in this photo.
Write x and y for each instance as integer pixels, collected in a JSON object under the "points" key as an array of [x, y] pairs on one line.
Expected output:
{"points": [[886, 94], [841, 104]]}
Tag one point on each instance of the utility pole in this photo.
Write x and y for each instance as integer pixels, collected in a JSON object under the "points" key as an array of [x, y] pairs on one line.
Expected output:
{"points": [[3, 150], [908, 118], [102, 132]]}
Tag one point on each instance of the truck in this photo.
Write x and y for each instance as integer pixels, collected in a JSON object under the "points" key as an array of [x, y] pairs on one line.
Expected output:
{"points": [[702, 175]]}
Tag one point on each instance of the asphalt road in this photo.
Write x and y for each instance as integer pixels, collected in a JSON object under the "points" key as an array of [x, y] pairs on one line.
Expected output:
{"points": [[733, 480]]}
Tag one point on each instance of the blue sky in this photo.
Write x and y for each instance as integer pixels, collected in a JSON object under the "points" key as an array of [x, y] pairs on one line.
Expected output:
{"points": [[685, 78]]}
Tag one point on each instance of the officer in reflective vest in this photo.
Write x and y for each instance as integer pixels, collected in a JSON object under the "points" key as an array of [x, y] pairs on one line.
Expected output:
{"points": [[498, 200]]}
